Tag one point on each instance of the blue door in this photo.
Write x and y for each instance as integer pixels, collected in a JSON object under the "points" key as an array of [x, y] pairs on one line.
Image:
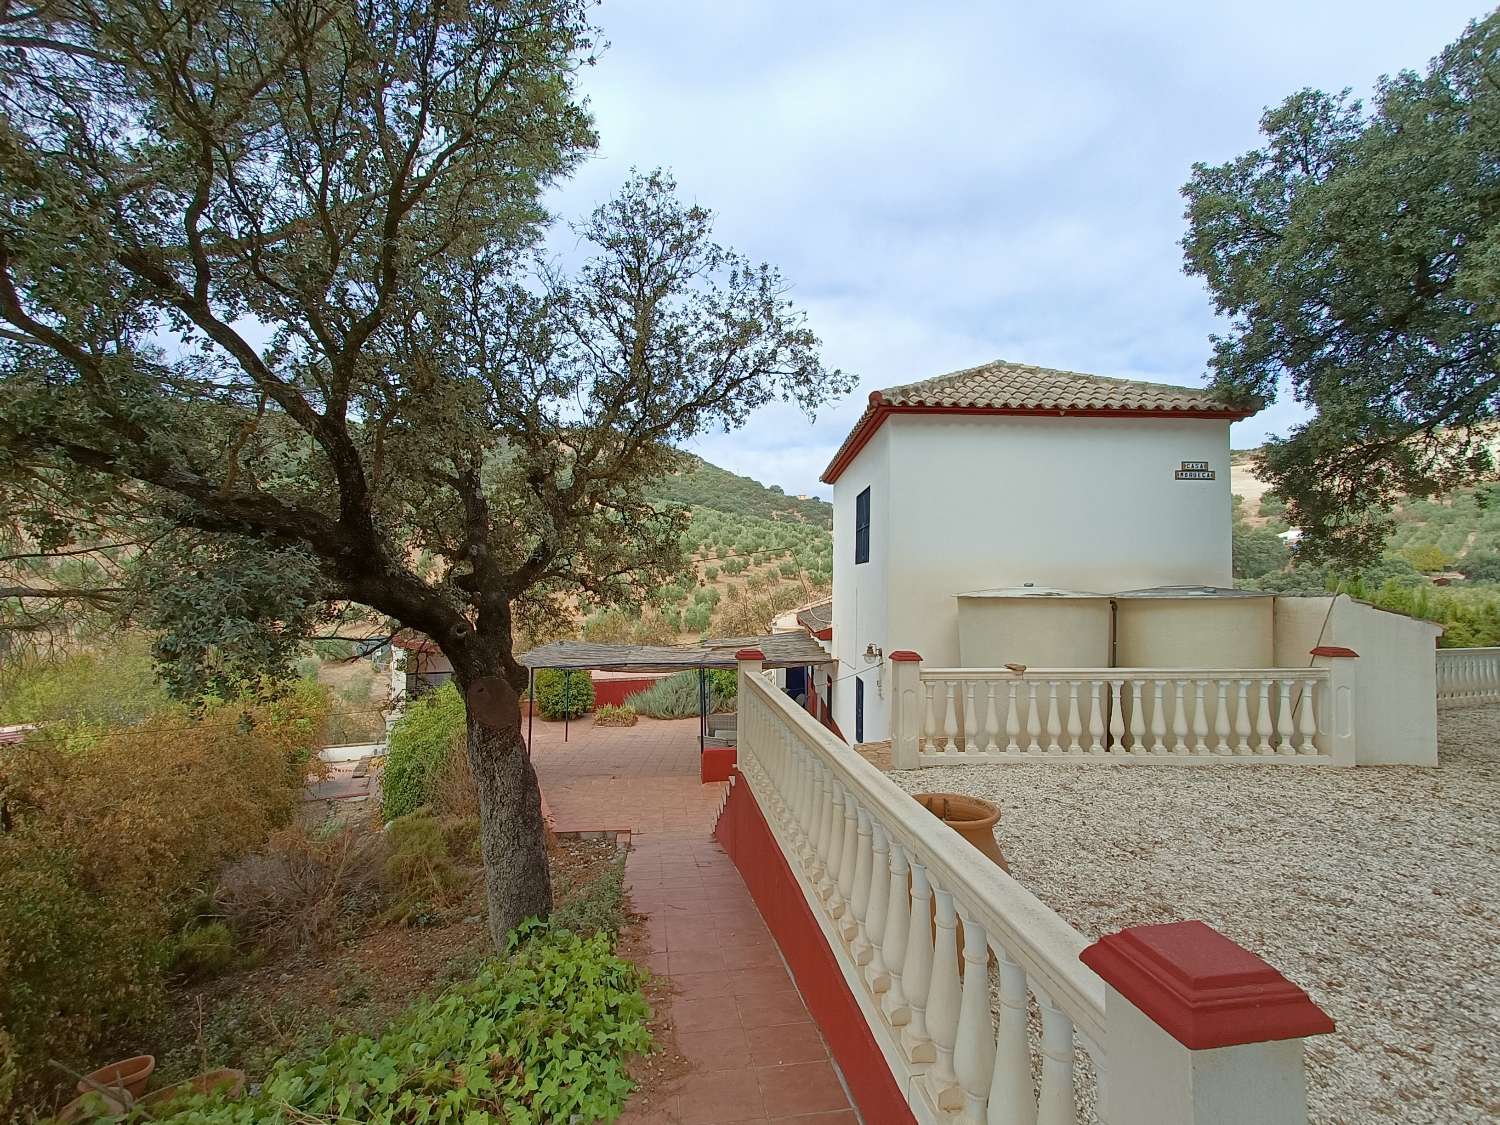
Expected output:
{"points": [[859, 709]]}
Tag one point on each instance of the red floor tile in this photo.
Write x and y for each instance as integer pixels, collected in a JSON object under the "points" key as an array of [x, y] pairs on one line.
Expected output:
{"points": [[812, 1087]]}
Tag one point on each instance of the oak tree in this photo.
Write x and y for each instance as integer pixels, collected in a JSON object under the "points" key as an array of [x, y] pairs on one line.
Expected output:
{"points": [[275, 310]]}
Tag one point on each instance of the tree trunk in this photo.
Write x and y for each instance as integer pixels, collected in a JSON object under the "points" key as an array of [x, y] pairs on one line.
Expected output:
{"points": [[517, 881]]}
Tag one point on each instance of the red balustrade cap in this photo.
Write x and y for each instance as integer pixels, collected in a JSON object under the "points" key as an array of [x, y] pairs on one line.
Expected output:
{"points": [[1332, 650], [1201, 988], [905, 656], [749, 654]]}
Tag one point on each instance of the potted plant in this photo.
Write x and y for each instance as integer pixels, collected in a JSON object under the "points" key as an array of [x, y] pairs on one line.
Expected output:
{"points": [[973, 818]]}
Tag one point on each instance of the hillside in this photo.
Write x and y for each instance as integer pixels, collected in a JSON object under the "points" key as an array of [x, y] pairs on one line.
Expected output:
{"points": [[753, 553], [707, 486]]}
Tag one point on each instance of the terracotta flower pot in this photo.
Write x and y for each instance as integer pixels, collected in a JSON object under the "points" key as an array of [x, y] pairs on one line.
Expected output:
{"points": [[971, 817], [130, 1074], [231, 1082]]}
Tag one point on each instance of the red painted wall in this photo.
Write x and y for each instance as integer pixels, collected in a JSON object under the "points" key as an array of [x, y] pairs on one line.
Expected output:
{"points": [[743, 831], [614, 691]]}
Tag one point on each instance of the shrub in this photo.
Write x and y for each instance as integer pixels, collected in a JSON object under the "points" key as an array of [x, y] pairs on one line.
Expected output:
{"points": [[711, 573], [697, 619], [204, 951], [563, 694], [676, 697], [611, 716], [292, 894], [726, 683], [418, 864], [420, 741], [450, 785], [542, 1035], [598, 906], [104, 834]]}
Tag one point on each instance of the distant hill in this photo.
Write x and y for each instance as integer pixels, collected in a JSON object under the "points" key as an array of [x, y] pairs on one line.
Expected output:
{"points": [[706, 486]]}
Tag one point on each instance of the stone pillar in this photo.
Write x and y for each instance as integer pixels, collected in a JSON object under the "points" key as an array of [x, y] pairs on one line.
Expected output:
{"points": [[1342, 700], [906, 708], [1199, 1031]]}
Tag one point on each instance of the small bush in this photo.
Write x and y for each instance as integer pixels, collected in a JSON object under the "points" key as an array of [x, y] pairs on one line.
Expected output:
{"points": [[675, 697], [726, 684], [563, 694], [611, 716], [420, 742], [292, 895], [418, 864], [450, 784], [204, 951], [542, 1035]]}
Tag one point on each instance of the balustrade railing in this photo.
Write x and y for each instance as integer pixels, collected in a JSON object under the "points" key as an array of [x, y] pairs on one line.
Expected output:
{"points": [[972, 987], [1467, 675], [1160, 715], [923, 923]]}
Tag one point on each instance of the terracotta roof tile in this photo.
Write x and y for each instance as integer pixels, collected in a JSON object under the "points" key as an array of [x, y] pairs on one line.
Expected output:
{"points": [[1022, 387]]}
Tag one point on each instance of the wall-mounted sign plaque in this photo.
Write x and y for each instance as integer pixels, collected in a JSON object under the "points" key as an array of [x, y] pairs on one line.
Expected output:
{"points": [[1194, 470]]}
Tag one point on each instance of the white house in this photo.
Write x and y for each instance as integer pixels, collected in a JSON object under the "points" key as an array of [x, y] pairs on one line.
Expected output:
{"points": [[1006, 474]]}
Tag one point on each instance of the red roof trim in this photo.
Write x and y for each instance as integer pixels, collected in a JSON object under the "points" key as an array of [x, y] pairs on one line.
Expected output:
{"points": [[1201, 988], [749, 654], [824, 634], [878, 410], [1332, 650]]}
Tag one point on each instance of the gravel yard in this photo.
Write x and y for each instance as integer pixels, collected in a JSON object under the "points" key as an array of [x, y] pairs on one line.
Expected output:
{"points": [[1376, 889]]}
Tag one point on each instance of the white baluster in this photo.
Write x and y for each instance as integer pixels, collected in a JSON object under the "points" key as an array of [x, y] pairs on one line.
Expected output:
{"points": [[1179, 717], [854, 924], [971, 720], [1055, 1100], [1096, 719], [974, 1048], [942, 1002], [1137, 719], [1200, 717], [1263, 728], [1011, 1099], [1033, 720], [1054, 723], [916, 969], [1075, 723], [833, 854], [1158, 720], [1221, 720], [950, 720], [1285, 727], [875, 912], [1242, 720], [1309, 719], [897, 922], [848, 857], [991, 719], [1012, 721], [1116, 700]]}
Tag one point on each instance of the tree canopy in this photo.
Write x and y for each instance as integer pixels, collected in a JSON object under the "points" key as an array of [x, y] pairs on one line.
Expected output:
{"points": [[1357, 257], [277, 315]]}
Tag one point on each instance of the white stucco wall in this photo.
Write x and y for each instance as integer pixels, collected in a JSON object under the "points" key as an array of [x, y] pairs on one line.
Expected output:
{"points": [[1395, 693], [861, 593]]}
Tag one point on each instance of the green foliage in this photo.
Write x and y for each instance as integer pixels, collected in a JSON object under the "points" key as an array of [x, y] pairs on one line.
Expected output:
{"points": [[726, 684], [611, 716], [1480, 567], [674, 697], [1356, 257], [542, 1035], [1427, 557], [596, 907], [95, 688], [426, 733], [204, 951], [564, 693], [706, 487], [105, 836], [419, 862]]}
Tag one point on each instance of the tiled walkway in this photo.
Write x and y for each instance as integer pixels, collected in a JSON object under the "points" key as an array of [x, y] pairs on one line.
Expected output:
{"points": [[754, 1052]]}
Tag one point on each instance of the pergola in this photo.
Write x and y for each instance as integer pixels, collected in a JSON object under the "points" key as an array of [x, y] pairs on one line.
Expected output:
{"points": [[782, 650]]}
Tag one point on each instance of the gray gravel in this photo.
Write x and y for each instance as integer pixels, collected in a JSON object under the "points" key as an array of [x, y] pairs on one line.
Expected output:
{"points": [[1376, 889]]}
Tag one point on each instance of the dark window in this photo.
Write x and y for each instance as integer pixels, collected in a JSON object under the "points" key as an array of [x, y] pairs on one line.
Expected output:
{"points": [[859, 709], [862, 527]]}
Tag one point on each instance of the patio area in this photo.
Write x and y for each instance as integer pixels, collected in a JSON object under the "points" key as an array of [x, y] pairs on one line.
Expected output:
{"points": [[754, 1053]]}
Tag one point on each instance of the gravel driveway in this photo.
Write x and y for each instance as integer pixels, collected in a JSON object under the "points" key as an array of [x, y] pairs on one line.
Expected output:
{"points": [[1376, 889]]}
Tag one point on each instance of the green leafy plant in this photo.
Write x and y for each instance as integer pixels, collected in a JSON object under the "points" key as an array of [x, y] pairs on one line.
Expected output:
{"points": [[676, 697], [563, 693], [204, 951], [541, 1035], [424, 735]]}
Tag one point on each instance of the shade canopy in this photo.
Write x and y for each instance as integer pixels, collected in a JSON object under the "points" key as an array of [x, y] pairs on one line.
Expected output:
{"points": [[782, 650]]}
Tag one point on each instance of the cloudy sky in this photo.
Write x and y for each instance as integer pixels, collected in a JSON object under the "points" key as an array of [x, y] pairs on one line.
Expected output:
{"points": [[947, 183]]}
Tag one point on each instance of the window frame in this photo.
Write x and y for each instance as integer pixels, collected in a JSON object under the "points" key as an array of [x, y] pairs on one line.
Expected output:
{"points": [[862, 530]]}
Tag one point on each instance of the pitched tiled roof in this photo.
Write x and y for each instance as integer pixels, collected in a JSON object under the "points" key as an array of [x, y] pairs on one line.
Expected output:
{"points": [[818, 616], [1003, 387]]}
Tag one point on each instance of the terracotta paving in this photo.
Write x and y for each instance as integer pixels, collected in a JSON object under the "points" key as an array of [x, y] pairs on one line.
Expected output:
{"points": [[754, 1052]]}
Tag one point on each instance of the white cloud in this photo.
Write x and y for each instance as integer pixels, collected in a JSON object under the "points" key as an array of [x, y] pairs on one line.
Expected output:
{"points": [[949, 183]]}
